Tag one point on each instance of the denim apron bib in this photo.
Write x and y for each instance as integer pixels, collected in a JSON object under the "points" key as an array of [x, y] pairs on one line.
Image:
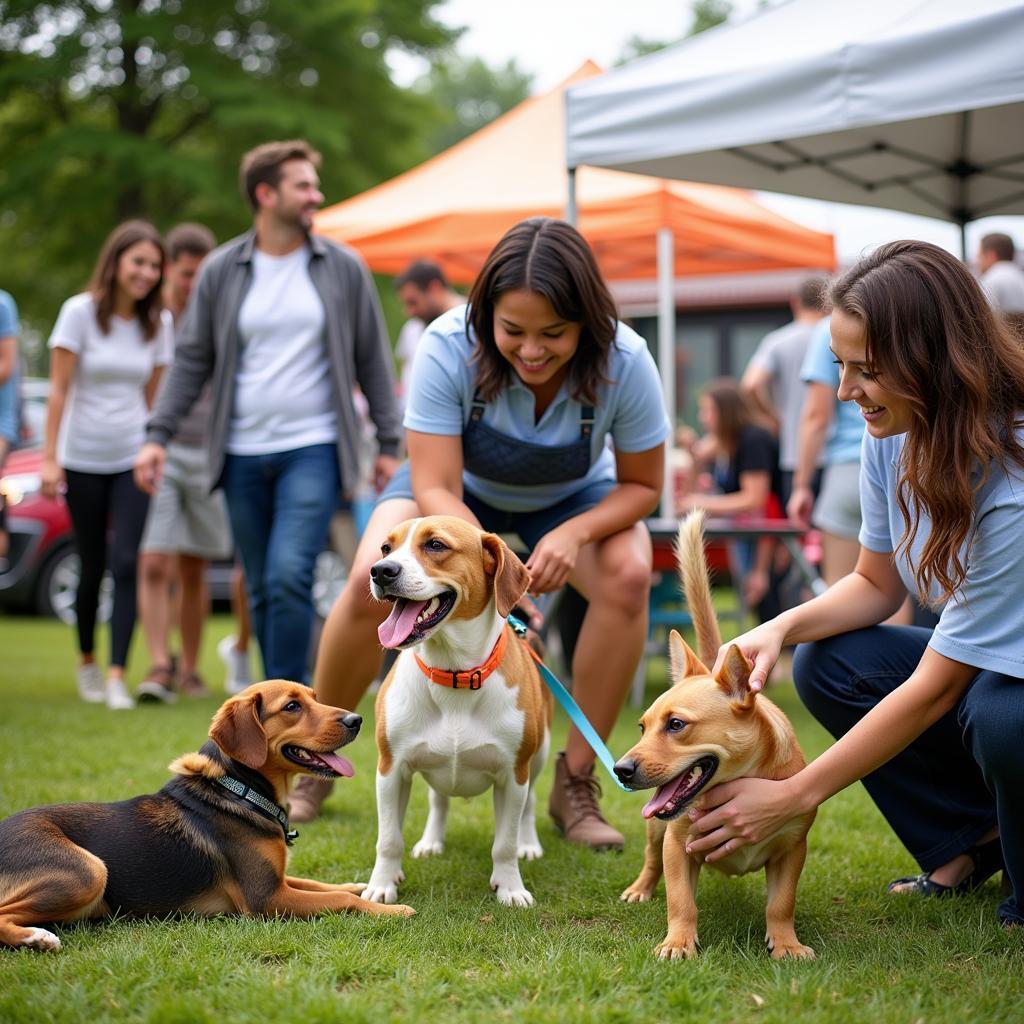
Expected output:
{"points": [[490, 454]]}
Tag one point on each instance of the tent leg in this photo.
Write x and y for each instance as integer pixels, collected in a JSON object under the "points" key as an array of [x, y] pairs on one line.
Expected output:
{"points": [[571, 212], [667, 353]]}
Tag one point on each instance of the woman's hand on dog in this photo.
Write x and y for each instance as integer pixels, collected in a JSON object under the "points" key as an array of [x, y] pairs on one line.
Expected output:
{"points": [[761, 647], [739, 813]]}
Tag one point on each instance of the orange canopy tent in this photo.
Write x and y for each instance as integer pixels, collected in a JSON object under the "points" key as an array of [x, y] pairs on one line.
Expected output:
{"points": [[453, 208]]}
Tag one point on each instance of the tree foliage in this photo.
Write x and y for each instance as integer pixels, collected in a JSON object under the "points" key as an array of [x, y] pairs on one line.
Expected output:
{"points": [[118, 108], [706, 14], [471, 94]]}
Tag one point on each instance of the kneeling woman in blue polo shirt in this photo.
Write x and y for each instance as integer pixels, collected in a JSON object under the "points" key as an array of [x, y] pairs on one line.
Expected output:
{"points": [[511, 403], [931, 720]]}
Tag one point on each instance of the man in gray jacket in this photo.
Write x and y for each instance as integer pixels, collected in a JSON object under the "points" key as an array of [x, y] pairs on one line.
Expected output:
{"points": [[286, 325]]}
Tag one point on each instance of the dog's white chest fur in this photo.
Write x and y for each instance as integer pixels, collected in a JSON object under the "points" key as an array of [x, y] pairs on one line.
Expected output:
{"points": [[461, 741]]}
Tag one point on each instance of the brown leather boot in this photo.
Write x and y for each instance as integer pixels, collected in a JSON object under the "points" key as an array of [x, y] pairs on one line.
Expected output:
{"points": [[573, 808], [307, 796]]}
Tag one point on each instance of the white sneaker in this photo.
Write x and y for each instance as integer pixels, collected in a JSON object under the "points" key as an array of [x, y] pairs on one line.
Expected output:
{"points": [[90, 683], [118, 698], [238, 673]]}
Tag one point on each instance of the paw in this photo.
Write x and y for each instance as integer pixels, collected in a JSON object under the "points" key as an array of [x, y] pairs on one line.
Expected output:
{"points": [[398, 910], [637, 893], [790, 948], [510, 889], [40, 938], [530, 851], [353, 887], [383, 886], [677, 948], [428, 848], [510, 897]]}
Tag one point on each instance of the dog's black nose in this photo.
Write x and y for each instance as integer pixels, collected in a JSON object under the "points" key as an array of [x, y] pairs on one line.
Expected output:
{"points": [[352, 721], [625, 769], [385, 571]]}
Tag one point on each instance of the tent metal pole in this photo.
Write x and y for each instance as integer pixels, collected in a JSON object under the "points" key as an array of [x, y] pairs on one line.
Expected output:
{"points": [[963, 241], [571, 212], [667, 354]]}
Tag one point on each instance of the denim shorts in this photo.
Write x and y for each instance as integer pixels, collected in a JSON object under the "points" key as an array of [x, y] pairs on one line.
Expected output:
{"points": [[528, 526]]}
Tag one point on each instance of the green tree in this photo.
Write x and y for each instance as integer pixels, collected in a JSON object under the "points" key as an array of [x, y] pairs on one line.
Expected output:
{"points": [[472, 94], [118, 108], [706, 14]]}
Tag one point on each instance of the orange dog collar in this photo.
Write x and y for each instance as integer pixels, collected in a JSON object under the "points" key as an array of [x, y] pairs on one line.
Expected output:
{"points": [[473, 678]]}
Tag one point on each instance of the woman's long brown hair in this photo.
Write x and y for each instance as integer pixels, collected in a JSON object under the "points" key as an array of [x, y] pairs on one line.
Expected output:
{"points": [[933, 339], [552, 258], [733, 412], [103, 284]]}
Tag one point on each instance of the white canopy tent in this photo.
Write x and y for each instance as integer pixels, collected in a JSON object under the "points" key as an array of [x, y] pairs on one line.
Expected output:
{"points": [[915, 105]]}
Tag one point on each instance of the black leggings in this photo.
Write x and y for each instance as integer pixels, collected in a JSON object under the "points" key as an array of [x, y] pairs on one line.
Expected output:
{"points": [[97, 501]]}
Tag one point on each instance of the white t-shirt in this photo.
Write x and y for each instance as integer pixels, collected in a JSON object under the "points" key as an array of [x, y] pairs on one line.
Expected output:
{"points": [[283, 397], [1004, 284], [104, 420]]}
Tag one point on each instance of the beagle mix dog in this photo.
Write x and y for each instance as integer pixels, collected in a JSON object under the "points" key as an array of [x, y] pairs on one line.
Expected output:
{"points": [[213, 841], [702, 732], [463, 705]]}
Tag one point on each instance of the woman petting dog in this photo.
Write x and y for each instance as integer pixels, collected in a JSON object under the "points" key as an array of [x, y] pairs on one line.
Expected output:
{"points": [[512, 400], [931, 720]]}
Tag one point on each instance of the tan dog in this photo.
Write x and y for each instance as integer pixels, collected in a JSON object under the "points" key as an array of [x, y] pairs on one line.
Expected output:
{"points": [[212, 841], [466, 709], [702, 732]]}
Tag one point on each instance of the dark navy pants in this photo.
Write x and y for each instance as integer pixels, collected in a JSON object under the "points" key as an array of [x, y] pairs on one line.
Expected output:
{"points": [[959, 777]]}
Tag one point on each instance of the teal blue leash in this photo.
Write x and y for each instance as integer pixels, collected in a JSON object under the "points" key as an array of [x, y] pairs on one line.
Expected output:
{"points": [[571, 708]]}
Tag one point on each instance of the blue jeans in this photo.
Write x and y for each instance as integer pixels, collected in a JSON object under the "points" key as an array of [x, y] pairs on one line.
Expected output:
{"points": [[280, 506], [959, 777]]}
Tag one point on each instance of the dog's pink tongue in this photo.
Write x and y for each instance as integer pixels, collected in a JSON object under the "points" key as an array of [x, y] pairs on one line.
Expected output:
{"points": [[342, 765], [394, 630], [660, 798]]}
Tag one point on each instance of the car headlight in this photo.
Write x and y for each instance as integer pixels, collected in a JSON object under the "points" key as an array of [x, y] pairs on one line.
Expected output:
{"points": [[19, 486]]}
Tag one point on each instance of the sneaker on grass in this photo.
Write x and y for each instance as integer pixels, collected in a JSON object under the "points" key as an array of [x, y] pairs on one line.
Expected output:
{"points": [[89, 680], [118, 697], [238, 673]]}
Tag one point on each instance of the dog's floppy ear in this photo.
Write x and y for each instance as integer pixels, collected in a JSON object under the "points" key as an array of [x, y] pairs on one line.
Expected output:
{"points": [[734, 678], [682, 662], [238, 731], [511, 577]]}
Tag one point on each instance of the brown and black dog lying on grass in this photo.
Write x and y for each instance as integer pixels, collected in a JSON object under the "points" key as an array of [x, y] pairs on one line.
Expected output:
{"points": [[212, 841], [702, 732]]}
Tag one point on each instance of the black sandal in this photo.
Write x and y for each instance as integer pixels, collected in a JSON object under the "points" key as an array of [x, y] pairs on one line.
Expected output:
{"points": [[987, 858]]}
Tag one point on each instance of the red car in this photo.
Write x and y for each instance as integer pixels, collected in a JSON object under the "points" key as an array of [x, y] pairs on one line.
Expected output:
{"points": [[42, 564]]}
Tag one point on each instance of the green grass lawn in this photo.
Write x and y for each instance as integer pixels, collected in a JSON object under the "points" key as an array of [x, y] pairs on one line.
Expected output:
{"points": [[579, 955]]}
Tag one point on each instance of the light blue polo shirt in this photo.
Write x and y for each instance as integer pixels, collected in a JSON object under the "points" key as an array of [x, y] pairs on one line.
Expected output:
{"points": [[983, 623], [842, 444], [629, 410]]}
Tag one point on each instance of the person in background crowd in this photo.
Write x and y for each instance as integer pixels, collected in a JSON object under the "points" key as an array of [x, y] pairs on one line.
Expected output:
{"points": [[1002, 277], [425, 294], [743, 457], [187, 524], [930, 719], [107, 351], [513, 399], [233, 649], [771, 382], [9, 418], [285, 323], [834, 430]]}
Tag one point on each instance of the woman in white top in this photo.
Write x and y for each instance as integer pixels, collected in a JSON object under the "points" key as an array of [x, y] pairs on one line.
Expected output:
{"points": [[108, 348]]}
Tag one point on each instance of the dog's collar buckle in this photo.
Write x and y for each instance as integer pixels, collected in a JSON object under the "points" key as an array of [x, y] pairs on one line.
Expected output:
{"points": [[470, 679]]}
